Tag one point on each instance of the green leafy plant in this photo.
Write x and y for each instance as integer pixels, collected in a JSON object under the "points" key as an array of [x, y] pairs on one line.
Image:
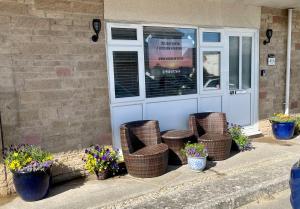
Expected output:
{"points": [[194, 150], [101, 158], [27, 158], [297, 127], [281, 118], [239, 138]]}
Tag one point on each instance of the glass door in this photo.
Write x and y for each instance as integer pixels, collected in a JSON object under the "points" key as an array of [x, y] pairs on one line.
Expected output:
{"points": [[239, 96]]}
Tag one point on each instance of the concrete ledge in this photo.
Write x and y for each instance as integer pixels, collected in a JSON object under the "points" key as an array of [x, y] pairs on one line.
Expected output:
{"points": [[241, 198]]}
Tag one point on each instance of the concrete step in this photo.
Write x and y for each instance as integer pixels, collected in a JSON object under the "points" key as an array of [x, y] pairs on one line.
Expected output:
{"points": [[230, 189]]}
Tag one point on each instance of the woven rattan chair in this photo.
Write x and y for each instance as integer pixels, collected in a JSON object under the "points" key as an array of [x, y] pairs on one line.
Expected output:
{"points": [[144, 154], [211, 129]]}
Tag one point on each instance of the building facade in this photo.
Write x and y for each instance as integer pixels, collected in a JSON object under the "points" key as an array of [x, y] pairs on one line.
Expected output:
{"points": [[64, 92]]}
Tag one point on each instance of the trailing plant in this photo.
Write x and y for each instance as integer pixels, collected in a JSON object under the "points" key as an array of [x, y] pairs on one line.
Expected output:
{"points": [[101, 158], [27, 158], [194, 150], [282, 118], [239, 137]]}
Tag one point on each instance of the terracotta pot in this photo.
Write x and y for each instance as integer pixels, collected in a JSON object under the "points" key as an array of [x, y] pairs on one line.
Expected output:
{"points": [[103, 175]]}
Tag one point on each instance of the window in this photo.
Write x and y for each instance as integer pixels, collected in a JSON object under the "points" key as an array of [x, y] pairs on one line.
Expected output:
{"points": [[234, 63], [240, 62], [126, 75], [123, 33], [211, 37], [246, 62], [170, 61], [211, 70]]}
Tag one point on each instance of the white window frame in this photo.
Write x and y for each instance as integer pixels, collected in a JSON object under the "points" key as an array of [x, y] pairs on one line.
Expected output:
{"points": [[141, 73], [211, 44], [212, 91], [139, 34], [240, 35]]}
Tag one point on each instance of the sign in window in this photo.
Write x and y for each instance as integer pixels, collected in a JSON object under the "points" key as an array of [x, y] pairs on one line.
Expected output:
{"points": [[211, 70], [170, 61]]}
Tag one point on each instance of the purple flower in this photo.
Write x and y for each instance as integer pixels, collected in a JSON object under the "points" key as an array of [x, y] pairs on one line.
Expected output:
{"points": [[97, 147], [104, 158]]}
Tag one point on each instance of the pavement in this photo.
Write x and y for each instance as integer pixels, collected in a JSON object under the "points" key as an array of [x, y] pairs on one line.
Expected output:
{"points": [[245, 177], [279, 200]]}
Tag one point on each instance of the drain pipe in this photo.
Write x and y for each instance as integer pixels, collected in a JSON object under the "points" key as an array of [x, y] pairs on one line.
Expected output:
{"points": [[288, 62]]}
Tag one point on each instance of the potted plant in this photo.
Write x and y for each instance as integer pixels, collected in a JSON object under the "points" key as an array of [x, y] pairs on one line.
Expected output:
{"points": [[283, 126], [295, 185], [196, 155], [102, 161], [30, 166], [240, 139]]}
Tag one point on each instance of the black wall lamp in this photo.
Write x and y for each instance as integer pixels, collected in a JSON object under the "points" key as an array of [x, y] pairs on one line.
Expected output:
{"points": [[269, 34], [97, 29]]}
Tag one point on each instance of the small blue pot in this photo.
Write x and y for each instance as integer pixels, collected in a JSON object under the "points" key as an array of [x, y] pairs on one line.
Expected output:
{"points": [[197, 163], [32, 186], [283, 130], [295, 186]]}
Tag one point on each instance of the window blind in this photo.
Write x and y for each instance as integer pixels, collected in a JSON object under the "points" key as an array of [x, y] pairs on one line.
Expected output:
{"points": [[126, 75]]}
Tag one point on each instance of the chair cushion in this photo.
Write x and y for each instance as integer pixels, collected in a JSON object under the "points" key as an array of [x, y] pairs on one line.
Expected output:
{"points": [[152, 149], [214, 137]]}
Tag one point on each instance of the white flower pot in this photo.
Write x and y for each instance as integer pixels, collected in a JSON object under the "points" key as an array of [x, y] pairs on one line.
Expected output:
{"points": [[197, 163]]}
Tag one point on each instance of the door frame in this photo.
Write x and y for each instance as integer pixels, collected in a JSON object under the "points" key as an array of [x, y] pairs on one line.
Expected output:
{"points": [[253, 128]]}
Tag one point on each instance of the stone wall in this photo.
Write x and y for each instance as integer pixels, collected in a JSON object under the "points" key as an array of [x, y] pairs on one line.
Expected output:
{"points": [[295, 65], [53, 79], [272, 86]]}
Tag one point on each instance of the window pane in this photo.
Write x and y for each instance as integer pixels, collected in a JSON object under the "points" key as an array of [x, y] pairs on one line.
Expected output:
{"points": [[211, 70], [170, 61], [234, 62], [123, 34], [126, 74], [246, 62], [211, 37]]}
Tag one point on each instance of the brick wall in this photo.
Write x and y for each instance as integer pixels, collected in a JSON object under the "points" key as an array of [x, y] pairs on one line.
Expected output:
{"points": [[295, 65], [272, 86], [53, 79]]}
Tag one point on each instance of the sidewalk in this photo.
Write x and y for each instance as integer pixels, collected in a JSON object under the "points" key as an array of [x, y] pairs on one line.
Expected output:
{"points": [[241, 179]]}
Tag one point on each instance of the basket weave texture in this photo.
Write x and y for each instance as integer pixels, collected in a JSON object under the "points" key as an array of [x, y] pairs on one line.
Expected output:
{"points": [[144, 154], [211, 129]]}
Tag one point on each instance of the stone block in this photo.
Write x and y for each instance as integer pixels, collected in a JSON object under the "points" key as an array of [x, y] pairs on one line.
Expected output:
{"points": [[42, 84]]}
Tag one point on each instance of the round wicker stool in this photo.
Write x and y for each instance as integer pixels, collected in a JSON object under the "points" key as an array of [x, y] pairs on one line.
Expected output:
{"points": [[176, 139]]}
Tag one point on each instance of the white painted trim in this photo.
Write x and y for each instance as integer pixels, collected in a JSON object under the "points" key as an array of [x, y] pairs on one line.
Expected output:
{"points": [[139, 50], [139, 34], [211, 44], [222, 74]]}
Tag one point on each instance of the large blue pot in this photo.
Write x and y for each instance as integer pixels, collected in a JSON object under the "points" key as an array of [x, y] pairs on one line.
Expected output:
{"points": [[283, 130], [295, 186], [32, 186]]}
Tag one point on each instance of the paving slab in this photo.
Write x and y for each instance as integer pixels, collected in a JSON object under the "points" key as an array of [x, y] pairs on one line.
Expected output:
{"points": [[279, 200], [243, 178]]}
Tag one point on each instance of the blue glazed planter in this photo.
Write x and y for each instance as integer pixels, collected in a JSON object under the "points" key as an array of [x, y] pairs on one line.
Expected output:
{"points": [[283, 130], [197, 163], [32, 186], [295, 186]]}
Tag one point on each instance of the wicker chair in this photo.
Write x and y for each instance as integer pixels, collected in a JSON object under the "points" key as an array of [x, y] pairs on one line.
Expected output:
{"points": [[211, 129], [144, 154]]}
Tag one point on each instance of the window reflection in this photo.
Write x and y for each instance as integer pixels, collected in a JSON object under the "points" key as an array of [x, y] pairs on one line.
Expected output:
{"points": [[211, 70], [170, 61]]}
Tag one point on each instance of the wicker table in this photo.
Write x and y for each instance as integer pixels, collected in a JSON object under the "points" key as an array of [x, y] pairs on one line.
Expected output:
{"points": [[176, 139]]}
